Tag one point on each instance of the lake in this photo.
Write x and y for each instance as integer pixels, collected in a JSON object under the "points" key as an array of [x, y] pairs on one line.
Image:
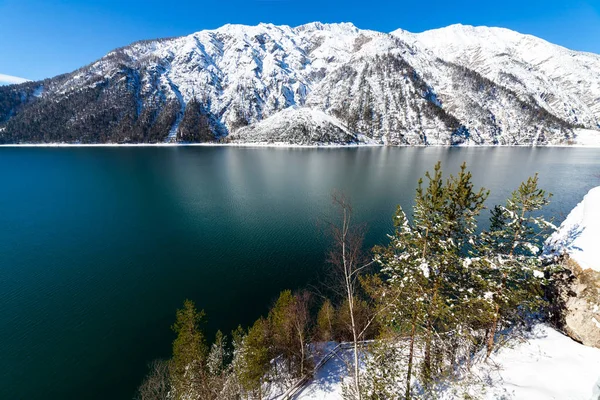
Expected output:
{"points": [[99, 246]]}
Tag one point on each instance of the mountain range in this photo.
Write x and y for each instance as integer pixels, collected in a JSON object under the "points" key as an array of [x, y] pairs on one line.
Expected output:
{"points": [[317, 84]]}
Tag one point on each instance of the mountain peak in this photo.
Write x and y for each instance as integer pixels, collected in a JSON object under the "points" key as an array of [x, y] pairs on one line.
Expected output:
{"points": [[334, 27], [11, 80]]}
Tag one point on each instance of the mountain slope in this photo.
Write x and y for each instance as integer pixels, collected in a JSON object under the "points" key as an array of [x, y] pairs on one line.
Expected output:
{"points": [[562, 81], [398, 88]]}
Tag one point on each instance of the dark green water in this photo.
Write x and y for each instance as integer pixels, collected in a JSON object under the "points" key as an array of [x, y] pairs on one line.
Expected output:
{"points": [[99, 246]]}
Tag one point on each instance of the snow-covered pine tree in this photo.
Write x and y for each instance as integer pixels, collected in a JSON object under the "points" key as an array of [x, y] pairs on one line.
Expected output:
{"points": [[216, 370], [510, 265], [402, 303], [232, 387], [216, 361], [424, 270], [445, 221]]}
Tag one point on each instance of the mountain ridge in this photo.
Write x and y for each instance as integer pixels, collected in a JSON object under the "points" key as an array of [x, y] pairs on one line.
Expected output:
{"points": [[396, 88]]}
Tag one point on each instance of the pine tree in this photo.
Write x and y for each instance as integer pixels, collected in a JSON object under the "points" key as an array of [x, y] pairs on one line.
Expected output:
{"points": [[255, 359], [232, 387], [189, 352], [445, 221], [384, 376], [402, 296], [511, 264], [427, 283], [282, 329]]}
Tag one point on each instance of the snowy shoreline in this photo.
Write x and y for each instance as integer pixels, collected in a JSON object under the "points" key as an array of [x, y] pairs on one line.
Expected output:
{"points": [[590, 139], [290, 145]]}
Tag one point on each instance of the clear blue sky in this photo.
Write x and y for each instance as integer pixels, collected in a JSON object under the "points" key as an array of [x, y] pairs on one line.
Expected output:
{"points": [[43, 38]]}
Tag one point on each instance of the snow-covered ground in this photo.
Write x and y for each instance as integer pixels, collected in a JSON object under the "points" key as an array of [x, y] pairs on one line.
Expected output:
{"points": [[328, 381], [546, 365], [549, 365], [579, 234]]}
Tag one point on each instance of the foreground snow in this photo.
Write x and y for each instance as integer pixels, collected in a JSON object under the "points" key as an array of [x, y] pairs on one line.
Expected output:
{"points": [[546, 365], [579, 234], [328, 381], [549, 365]]}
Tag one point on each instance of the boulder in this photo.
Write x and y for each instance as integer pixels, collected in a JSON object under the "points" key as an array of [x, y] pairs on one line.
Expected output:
{"points": [[577, 244]]}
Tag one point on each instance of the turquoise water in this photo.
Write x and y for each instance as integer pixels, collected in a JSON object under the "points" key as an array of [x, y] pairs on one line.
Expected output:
{"points": [[99, 246]]}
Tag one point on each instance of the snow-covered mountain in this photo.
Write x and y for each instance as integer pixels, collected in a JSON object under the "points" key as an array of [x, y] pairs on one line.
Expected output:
{"points": [[316, 83], [563, 81]]}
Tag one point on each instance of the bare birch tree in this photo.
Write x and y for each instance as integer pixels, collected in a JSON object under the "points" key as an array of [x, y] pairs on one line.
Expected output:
{"points": [[348, 262]]}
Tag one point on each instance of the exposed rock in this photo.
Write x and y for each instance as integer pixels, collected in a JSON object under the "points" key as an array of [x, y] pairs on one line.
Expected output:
{"points": [[578, 241]]}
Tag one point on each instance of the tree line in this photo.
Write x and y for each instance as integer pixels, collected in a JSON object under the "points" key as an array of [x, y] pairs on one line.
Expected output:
{"points": [[440, 295]]}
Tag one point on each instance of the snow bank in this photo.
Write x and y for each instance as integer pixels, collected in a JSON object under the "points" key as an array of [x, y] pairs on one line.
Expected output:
{"points": [[549, 365], [579, 234]]}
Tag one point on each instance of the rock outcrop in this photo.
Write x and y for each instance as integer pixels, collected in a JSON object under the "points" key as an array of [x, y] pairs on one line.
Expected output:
{"points": [[577, 241]]}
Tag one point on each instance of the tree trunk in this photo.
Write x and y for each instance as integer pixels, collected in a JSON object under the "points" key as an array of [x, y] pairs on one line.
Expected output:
{"points": [[410, 357], [350, 294], [355, 340], [301, 354], [427, 359], [492, 333], [429, 339]]}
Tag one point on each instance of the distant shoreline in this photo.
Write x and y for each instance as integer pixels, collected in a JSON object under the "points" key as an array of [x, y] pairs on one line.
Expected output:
{"points": [[285, 145]]}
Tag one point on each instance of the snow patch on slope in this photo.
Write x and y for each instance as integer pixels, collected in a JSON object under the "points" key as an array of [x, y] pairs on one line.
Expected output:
{"points": [[579, 234]]}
